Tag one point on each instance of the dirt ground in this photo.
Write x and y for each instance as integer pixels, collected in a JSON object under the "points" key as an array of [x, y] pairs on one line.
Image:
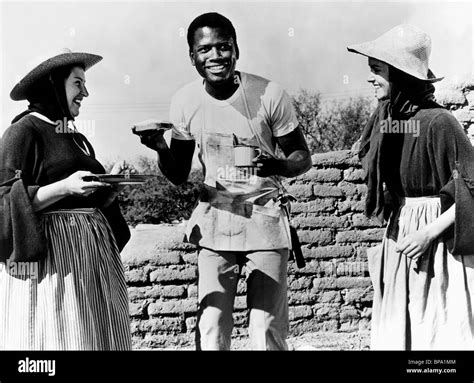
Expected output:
{"points": [[308, 342], [319, 341]]}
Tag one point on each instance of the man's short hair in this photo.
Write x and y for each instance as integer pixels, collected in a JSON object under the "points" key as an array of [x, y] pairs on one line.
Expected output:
{"points": [[211, 20]]}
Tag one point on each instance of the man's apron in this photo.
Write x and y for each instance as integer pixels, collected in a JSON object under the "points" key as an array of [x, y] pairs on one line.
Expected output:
{"points": [[237, 210]]}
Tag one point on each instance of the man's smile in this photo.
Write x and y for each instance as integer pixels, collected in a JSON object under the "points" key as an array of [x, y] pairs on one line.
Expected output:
{"points": [[217, 68]]}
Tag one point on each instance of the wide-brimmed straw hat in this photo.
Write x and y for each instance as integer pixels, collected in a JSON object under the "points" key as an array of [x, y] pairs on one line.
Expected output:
{"points": [[42, 67], [405, 47]]}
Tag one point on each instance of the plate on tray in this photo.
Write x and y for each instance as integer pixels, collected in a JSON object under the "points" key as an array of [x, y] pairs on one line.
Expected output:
{"points": [[124, 179]]}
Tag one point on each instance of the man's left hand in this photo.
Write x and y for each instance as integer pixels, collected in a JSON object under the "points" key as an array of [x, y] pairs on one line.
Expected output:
{"points": [[267, 165]]}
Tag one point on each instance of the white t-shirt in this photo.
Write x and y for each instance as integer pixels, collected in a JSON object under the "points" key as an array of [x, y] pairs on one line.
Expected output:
{"points": [[270, 108]]}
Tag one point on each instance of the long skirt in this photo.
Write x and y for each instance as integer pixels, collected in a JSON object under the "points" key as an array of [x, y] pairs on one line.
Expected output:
{"points": [[425, 304], [74, 299]]}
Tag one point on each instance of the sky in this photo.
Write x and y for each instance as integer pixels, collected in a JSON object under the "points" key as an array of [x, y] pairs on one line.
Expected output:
{"points": [[299, 44]]}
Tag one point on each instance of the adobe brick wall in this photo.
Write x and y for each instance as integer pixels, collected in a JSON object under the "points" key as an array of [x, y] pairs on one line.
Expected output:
{"points": [[332, 293], [458, 95]]}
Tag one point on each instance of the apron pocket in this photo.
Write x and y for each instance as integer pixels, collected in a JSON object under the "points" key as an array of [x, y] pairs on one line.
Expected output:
{"points": [[267, 228]]}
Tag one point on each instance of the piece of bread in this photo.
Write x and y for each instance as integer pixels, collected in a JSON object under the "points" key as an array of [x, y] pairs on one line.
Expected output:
{"points": [[151, 125]]}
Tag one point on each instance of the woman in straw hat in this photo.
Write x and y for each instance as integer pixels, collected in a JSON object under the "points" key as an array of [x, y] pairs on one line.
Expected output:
{"points": [[62, 286], [423, 287]]}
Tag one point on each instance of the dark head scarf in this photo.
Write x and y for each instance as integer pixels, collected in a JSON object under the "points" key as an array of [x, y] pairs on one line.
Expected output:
{"points": [[407, 96], [48, 96]]}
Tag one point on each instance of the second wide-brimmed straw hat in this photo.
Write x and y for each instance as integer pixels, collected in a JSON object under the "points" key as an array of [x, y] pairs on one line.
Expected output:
{"points": [[405, 47], [42, 67]]}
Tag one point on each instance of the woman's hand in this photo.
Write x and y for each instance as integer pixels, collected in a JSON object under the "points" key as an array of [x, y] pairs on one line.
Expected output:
{"points": [[75, 184], [122, 167], [415, 245]]}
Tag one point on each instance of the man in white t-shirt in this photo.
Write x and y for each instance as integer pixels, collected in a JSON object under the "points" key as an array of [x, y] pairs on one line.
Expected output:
{"points": [[239, 220]]}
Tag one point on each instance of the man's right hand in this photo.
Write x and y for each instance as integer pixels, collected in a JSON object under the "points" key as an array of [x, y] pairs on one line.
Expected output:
{"points": [[153, 141], [151, 132]]}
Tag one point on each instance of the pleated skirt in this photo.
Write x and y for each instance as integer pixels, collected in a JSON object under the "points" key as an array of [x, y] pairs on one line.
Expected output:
{"points": [[425, 304], [74, 299]]}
